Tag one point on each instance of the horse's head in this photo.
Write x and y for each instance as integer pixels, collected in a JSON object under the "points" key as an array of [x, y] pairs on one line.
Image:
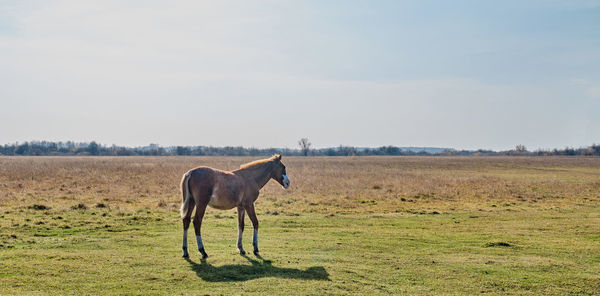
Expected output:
{"points": [[278, 173]]}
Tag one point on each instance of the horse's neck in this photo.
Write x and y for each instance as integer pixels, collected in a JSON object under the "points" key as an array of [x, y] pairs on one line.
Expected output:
{"points": [[262, 179], [260, 175]]}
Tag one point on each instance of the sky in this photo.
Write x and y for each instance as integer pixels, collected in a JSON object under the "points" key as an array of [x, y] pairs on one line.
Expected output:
{"points": [[455, 74]]}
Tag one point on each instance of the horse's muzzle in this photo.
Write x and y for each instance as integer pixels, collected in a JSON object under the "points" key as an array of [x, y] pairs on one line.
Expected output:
{"points": [[285, 181]]}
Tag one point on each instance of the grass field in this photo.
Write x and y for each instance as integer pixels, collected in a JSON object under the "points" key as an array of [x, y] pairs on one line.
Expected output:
{"points": [[367, 225]]}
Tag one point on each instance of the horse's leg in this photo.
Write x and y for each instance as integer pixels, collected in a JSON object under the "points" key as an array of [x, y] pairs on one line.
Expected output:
{"points": [[200, 209], [184, 245], [252, 215], [241, 214]]}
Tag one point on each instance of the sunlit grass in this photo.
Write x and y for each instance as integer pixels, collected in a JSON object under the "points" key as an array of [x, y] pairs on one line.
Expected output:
{"points": [[372, 225]]}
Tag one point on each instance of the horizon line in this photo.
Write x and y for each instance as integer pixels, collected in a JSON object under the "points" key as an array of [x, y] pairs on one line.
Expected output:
{"points": [[18, 143]]}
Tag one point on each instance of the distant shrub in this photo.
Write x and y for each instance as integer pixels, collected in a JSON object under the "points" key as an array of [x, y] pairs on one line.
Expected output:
{"points": [[498, 244], [79, 207], [39, 207]]}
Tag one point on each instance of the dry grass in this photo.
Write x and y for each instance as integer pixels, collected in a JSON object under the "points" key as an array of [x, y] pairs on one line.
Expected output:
{"points": [[319, 185]]}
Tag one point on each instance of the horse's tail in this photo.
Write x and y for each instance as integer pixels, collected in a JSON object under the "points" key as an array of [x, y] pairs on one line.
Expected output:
{"points": [[188, 203]]}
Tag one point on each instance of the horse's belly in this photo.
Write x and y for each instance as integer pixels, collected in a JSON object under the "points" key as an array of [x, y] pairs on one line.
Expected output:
{"points": [[221, 206], [221, 203]]}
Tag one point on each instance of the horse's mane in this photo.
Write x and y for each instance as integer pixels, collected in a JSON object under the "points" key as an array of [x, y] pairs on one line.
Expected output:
{"points": [[260, 162]]}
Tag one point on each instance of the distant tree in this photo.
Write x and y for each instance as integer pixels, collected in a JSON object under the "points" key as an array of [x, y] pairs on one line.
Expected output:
{"points": [[330, 152], [180, 150], [93, 148], [569, 151], [520, 148], [22, 149], [304, 146], [346, 151], [389, 150]]}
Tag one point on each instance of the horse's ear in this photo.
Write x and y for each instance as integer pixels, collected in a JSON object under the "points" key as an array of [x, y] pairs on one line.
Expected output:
{"points": [[277, 156]]}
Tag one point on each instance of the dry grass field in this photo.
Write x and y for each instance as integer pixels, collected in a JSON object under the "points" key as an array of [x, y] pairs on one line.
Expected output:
{"points": [[320, 185], [377, 225]]}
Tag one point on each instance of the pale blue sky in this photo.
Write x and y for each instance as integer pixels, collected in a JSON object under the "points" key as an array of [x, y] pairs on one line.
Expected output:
{"points": [[459, 74]]}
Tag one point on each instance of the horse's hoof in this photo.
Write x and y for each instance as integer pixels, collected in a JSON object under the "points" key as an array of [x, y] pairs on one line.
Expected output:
{"points": [[256, 253], [242, 252], [186, 256], [204, 255]]}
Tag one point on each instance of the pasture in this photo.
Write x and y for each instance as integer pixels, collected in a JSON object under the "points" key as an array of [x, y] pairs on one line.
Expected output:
{"points": [[364, 225]]}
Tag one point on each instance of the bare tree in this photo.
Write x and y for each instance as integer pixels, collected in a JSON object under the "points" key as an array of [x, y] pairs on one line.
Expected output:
{"points": [[520, 148], [304, 146]]}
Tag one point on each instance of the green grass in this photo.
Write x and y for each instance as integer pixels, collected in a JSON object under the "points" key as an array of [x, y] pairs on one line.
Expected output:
{"points": [[104, 251]]}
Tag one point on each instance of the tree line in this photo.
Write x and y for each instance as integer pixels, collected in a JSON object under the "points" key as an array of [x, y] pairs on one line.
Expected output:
{"points": [[93, 148]]}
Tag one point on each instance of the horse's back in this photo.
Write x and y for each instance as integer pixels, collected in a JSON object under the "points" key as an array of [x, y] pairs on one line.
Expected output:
{"points": [[220, 189], [210, 175], [202, 172]]}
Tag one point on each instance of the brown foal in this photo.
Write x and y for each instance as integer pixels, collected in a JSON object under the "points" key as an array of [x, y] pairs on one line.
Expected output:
{"points": [[223, 190]]}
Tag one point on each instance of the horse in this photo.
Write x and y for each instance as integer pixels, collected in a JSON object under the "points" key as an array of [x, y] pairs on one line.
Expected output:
{"points": [[224, 190]]}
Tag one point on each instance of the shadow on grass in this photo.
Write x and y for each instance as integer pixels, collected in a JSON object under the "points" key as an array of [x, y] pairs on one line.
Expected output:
{"points": [[258, 269]]}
